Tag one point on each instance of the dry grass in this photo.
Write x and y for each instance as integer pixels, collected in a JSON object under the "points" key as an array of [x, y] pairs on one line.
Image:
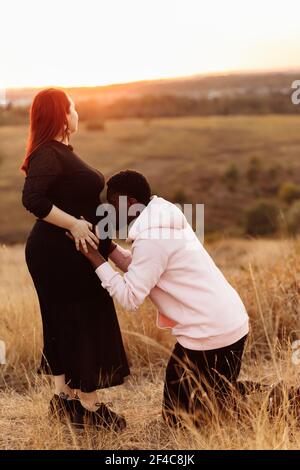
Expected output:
{"points": [[266, 273]]}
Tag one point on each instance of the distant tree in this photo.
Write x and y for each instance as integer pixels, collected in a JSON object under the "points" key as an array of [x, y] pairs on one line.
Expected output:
{"points": [[231, 176], [179, 196], [274, 171], [289, 192], [254, 170], [293, 218], [8, 106], [262, 218]]}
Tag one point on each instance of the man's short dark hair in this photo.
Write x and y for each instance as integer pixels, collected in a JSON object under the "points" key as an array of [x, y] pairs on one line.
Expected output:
{"points": [[130, 183]]}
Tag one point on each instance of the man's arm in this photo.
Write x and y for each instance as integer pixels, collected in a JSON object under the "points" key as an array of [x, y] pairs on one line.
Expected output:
{"points": [[149, 261], [120, 257]]}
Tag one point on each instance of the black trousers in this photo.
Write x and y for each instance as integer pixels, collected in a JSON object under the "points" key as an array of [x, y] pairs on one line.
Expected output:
{"points": [[198, 381]]}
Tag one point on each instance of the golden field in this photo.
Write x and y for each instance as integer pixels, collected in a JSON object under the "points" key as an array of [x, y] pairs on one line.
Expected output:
{"points": [[265, 272]]}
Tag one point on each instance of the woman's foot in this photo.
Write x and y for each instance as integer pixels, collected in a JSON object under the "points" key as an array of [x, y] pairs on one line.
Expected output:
{"points": [[89, 400], [64, 409], [103, 417], [65, 390]]}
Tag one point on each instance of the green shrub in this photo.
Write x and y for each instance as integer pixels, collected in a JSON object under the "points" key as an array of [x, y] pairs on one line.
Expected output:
{"points": [[274, 171], [289, 192], [179, 196], [261, 218], [231, 176], [253, 170]]}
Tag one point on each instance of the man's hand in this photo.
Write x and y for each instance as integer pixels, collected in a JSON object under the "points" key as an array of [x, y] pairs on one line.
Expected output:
{"points": [[92, 254]]}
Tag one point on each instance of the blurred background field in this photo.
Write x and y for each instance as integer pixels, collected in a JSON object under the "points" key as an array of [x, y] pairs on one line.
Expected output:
{"points": [[225, 150]]}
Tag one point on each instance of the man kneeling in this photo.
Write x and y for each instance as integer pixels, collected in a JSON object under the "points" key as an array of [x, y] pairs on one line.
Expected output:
{"points": [[193, 298]]}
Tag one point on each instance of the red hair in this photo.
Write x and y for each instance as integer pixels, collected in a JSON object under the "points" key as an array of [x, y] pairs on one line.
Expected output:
{"points": [[48, 119]]}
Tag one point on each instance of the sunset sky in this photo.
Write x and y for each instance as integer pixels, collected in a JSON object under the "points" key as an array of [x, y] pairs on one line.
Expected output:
{"points": [[97, 42]]}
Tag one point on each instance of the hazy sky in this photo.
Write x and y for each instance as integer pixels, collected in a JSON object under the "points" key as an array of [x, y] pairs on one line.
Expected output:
{"points": [[95, 42]]}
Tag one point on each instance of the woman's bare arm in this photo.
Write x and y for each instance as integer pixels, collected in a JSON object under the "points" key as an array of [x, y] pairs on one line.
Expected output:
{"points": [[80, 229]]}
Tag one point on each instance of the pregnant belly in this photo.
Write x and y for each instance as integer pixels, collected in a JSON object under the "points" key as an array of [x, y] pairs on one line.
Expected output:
{"points": [[46, 236], [58, 270]]}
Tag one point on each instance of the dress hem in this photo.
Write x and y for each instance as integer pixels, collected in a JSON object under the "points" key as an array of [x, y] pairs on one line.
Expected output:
{"points": [[75, 385]]}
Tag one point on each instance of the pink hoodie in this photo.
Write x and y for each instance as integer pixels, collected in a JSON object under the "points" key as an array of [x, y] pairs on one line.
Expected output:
{"points": [[168, 263]]}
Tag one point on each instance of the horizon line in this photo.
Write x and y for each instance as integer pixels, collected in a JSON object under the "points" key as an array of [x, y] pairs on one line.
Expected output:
{"points": [[169, 78]]}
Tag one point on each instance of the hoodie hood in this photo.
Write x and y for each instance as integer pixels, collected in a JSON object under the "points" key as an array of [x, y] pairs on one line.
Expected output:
{"points": [[159, 218]]}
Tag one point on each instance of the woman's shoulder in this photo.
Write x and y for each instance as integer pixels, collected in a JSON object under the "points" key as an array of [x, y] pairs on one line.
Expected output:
{"points": [[59, 146], [47, 148], [46, 157]]}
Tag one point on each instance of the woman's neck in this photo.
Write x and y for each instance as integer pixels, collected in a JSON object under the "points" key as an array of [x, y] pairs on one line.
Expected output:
{"points": [[63, 140]]}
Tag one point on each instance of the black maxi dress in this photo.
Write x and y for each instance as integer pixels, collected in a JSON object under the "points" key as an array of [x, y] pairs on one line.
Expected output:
{"points": [[82, 338]]}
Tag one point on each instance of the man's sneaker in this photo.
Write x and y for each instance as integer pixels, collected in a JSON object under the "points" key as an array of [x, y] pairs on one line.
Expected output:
{"points": [[277, 397], [103, 417], [294, 402]]}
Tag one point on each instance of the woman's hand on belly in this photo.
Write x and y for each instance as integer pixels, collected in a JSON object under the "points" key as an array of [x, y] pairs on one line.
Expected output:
{"points": [[81, 229], [82, 233]]}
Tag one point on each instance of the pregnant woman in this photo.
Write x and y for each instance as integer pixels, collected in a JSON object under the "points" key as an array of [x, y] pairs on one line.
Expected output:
{"points": [[83, 347]]}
